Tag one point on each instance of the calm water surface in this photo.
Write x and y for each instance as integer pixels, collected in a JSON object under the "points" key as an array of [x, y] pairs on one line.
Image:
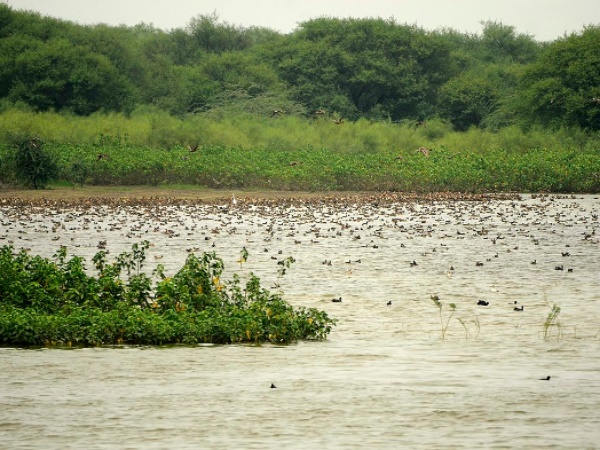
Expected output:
{"points": [[385, 378]]}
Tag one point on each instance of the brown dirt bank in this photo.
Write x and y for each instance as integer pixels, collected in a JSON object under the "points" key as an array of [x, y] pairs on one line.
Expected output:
{"points": [[143, 195]]}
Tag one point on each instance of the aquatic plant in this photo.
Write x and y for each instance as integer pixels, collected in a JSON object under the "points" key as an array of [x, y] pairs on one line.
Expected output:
{"points": [[476, 323], [243, 257], [551, 321], [55, 302], [436, 300], [284, 265], [462, 322], [477, 326]]}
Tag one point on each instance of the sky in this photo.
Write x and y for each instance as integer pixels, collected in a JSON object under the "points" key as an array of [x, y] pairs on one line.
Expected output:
{"points": [[545, 20]]}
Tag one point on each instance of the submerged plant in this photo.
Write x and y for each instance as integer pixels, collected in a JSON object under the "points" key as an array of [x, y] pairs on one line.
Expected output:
{"points": [[436, 300]]}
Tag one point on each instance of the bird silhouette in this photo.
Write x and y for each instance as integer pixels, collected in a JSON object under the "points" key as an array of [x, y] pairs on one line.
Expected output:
{"points": [[273, 386], [545, 379], [193, 149], [424, 150], [483, 303], [337, 300]]}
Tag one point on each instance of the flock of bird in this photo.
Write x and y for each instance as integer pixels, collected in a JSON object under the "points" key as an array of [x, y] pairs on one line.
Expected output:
{"points": [[379, 247]]}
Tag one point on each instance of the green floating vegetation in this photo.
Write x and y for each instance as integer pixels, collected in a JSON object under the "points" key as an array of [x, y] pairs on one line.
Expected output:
{"points": [[54, 302]]}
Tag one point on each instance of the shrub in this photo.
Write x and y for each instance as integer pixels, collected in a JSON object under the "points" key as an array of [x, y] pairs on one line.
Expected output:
{"points": [[34, 166], [50, 302]]}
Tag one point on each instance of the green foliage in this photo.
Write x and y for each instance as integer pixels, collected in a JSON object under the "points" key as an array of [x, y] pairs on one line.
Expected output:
{"points": [[292, 153], [560, 89], [140, 96], [33, 164], [361, 68], [57, 75], [502, 44], [371, 68], [55, 302], [467, 100]]}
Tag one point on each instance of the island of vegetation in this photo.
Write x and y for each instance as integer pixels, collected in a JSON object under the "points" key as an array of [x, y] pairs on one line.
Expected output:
{"points": [[54, 302]]}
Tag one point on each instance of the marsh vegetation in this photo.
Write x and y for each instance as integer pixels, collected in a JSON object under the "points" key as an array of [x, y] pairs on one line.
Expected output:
{"points": [[54, 302]]}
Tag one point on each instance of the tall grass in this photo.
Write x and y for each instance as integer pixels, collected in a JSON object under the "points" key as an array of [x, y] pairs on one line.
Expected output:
{"points": [[295, 152]]}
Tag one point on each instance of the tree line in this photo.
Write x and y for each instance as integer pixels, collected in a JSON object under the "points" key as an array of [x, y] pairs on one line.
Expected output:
{"points": [[373, 68]]}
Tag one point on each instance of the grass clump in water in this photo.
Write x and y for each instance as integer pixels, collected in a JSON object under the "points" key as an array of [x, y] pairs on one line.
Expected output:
{"points": [[444, 326], [551, 322]]}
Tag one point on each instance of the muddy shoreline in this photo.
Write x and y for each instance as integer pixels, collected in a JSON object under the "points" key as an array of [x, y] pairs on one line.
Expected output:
{"points": [[143, 196]]}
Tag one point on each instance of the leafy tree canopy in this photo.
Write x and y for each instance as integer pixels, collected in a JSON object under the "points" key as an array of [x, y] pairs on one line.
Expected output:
{"points": [[353, 68]]}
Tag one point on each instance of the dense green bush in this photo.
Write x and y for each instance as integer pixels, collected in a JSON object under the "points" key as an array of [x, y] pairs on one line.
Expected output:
{"points": [[33, 164], [371, 68], [55, 302]]}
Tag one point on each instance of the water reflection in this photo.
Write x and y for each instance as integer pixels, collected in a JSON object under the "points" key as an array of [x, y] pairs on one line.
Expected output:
{"points": [[384, 378]]}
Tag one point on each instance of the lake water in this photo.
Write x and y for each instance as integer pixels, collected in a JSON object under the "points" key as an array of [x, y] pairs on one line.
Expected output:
{"points": [[385, 378]]}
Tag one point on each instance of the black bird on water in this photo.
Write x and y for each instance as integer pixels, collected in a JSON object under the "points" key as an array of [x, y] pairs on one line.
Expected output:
{"points": [[518, 309], [545, 379], [273, 386], [483, 303], [389, 302], [337, 300]]}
